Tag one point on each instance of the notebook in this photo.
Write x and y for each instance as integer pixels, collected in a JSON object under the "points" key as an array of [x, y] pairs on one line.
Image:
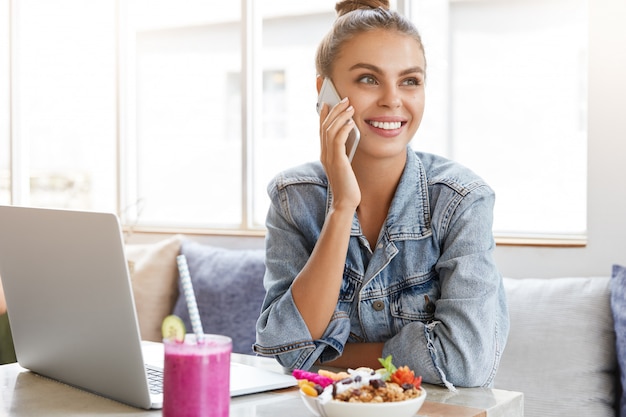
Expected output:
{"points": [[71, 308]]}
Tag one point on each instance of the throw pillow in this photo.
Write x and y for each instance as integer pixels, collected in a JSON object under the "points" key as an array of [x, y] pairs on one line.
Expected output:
{"points": [[618, 305], [228, 284], [154, 277], [561, 347]]}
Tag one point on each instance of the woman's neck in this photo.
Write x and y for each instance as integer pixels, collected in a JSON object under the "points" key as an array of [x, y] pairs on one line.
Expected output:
{"points": [[378, 180]]}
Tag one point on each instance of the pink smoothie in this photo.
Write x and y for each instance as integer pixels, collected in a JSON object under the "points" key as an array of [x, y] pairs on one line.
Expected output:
{"points": [[196, 379]]}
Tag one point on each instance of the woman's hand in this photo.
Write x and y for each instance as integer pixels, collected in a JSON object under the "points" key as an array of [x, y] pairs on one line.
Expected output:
{"points": [[335, 125]]}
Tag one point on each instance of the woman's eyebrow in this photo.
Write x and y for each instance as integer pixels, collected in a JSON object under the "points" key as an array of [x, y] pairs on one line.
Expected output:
{"points": [[374, 68]]}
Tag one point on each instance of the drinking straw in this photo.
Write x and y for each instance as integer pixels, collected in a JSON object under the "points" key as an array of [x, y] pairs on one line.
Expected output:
{"points": [[190, 297]]}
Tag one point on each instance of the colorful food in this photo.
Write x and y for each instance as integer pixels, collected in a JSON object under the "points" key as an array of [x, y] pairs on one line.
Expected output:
{"points": [[315, 378], [404, 375], [365, 385]]}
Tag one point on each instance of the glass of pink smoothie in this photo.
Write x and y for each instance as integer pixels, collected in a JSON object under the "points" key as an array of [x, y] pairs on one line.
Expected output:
{"points": [[196, 377]]}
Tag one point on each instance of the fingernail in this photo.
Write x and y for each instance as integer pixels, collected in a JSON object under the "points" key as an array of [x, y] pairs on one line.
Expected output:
{"points": [[343, 100], [350, 108]]}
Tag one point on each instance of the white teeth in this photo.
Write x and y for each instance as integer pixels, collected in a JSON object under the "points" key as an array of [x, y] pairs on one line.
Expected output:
{"points": [[386, 125]]}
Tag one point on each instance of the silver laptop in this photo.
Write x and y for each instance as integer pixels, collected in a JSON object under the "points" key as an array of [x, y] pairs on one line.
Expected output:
{"points": [[71, 308]]}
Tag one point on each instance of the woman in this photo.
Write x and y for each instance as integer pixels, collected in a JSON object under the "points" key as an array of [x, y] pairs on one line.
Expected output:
{"points": [[390, 254]]}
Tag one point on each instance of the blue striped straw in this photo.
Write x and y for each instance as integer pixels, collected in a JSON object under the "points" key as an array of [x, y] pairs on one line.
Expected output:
{"points": [[190, 297]]}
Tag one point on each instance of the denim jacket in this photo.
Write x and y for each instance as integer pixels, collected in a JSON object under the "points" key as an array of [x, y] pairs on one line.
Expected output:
{"points": [[429, 290]]}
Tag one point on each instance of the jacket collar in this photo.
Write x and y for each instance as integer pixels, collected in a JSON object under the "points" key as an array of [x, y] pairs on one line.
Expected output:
{"points": [[409, 214]]}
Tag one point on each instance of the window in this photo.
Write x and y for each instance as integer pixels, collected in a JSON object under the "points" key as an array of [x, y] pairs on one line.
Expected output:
{"points": [[507, 96], [182, 136], [298, 140], [62, 108], [177, 114], [185, 88]]}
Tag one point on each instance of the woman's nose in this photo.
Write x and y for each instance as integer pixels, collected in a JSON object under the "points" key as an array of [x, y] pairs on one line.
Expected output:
{"points": [[390, 97]]}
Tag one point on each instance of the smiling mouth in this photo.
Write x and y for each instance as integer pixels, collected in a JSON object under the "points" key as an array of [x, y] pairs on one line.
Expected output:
{"points": [[385, 125]]}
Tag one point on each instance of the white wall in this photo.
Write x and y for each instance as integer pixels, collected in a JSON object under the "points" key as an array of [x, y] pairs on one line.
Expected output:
{"points": [[606, 162]]}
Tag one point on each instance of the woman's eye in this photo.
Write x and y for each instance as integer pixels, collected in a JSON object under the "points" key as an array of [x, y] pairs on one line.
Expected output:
{"points": [[412, 81], [367, 79]]}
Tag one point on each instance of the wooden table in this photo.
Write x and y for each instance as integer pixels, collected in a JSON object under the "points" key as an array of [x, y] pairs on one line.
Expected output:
{"points": [[23, 393]]}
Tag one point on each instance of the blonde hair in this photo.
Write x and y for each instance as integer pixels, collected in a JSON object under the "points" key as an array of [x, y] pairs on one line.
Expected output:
{"points": [[355, 17]]}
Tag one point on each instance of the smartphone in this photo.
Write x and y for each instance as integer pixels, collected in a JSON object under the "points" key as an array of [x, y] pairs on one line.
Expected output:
{"points": [[328, 94]]}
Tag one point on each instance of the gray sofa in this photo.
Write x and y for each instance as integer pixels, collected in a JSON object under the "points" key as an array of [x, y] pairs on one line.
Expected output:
{"points": [[561, 350]]}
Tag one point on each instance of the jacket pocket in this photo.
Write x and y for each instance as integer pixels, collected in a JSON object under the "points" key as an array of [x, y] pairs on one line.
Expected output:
{"points": [[413, 299], [349, 285]]}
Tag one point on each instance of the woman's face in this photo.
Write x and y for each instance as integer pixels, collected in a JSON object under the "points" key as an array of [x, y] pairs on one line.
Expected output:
{"points": [[382, 73]]}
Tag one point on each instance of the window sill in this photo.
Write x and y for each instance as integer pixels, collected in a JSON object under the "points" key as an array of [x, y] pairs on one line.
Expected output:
{"points": [[560, 241], [557, 241]]}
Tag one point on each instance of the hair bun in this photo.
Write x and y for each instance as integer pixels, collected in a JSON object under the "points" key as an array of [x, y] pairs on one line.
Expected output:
{"points": [[347, 6]]}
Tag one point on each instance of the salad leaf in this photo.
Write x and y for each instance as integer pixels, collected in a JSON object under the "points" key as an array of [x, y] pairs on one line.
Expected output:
{"points": [[388, 364]]}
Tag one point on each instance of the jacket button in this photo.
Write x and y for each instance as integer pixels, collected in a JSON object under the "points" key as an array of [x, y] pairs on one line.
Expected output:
{"points": [[378, 305]]}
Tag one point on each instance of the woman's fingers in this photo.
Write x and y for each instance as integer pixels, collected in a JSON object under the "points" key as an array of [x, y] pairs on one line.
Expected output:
{"points": [[336, 124]]}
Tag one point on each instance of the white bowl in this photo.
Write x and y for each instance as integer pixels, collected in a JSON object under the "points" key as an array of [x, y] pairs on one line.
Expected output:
{"points": [[335, 408]]}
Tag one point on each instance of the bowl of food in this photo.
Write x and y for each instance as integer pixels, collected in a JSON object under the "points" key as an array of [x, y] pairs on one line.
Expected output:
{"points": [[362, 392]]}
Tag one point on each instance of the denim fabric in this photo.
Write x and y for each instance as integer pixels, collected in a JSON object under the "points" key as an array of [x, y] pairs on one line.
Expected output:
{"points": [[429, 289]]}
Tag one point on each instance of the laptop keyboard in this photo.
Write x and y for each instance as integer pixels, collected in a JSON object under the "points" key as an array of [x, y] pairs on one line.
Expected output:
{"points": [[155, 380]]}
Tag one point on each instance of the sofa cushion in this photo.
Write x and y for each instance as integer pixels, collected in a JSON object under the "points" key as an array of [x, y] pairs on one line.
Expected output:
{"points": [[228, 284], [561, 347], [154, 277], [618, 306]]}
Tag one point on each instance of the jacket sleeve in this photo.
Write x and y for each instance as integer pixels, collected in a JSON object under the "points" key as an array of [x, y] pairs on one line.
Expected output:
{"points": [[463, 344], [281, 331]]}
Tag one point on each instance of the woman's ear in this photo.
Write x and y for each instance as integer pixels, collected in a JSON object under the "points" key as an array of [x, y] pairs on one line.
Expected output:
{"points": [[320, 80]]}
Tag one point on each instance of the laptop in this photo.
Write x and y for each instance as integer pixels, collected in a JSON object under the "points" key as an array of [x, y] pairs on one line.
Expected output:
{"points": [[71, 307]]}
